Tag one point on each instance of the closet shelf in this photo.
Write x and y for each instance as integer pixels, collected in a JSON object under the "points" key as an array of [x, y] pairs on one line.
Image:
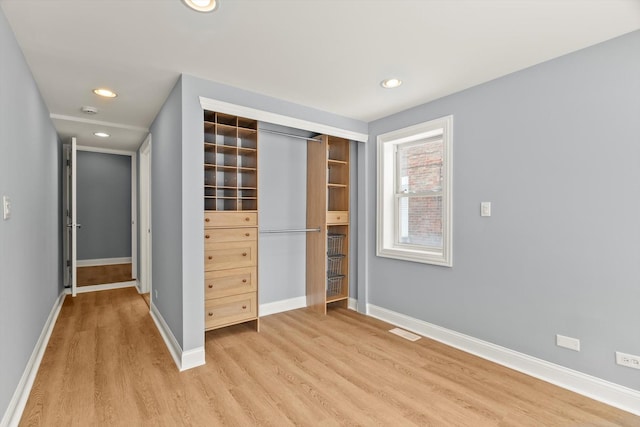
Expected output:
{"points": [[231, 160], [247, 149], [247, 130], [336, 298], [229, 149], [328, 165]]}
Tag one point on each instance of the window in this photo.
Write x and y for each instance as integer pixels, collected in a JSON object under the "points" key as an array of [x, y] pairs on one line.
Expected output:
{"points": [[414, 193]]}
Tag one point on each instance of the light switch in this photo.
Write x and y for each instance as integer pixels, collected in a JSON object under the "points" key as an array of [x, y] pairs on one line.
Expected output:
{"points": [[6, 207], [485, 209]]}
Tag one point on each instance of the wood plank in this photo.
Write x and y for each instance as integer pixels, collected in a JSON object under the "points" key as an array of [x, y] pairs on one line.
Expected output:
{"points": [[101, 274], [106, 364], [316, 218]]}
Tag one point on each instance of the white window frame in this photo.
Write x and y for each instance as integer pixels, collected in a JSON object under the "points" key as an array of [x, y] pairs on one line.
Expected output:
{"points": [[387, 221]]}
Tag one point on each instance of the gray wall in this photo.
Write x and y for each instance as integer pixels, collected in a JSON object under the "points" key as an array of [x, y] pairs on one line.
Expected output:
{"points": [[556, 149], [166, 207], [282, 178], [104, 205], [30, 280]]}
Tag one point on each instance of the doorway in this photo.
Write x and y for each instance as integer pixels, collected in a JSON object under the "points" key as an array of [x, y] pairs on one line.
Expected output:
{"points": [[144, 279], [106, 224]]}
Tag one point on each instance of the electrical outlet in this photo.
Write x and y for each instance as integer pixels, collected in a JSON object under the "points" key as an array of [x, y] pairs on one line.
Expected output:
{"points": [[156, 292], [628, 360], [568, 342]]}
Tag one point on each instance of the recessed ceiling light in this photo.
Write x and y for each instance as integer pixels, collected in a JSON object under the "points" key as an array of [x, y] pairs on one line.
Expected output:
{"points": [[105, 92], [390, 83], [202, 5], [102, 134]]}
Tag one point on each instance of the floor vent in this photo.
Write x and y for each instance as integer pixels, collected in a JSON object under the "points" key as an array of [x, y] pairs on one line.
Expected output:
{"points": [[405, 334]]}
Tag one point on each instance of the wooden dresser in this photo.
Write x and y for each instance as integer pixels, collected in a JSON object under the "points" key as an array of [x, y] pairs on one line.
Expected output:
{"points": [[231, 264]]}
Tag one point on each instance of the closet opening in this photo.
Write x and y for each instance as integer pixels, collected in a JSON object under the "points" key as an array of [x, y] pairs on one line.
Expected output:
{"points": [[280, 214]]}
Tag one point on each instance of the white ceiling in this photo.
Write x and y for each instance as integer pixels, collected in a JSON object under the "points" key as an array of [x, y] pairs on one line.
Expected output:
{"points": [[326, 54]]}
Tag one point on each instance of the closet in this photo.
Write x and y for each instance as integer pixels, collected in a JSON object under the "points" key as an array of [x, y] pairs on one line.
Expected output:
{"points": [[231, 219]]}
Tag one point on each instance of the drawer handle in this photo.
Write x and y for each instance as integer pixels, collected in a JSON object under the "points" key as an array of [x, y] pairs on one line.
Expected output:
{"points": [[210, 257], [244, 254], [244, 280], [247, 219], [211, 314], [244, 307], [210, 286], [206, 236], [338, 218], [207, 219], [247, 234]]}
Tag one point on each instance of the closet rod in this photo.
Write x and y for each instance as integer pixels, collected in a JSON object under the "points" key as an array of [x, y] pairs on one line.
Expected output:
{"points": [[292, 230], [289, 134]]}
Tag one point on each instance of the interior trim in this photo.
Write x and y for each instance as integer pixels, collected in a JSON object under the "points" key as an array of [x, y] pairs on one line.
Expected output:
{"points": [[103, 287], [282, 305], [103, 261], [97, 122], [279, 119], [183, 359]]}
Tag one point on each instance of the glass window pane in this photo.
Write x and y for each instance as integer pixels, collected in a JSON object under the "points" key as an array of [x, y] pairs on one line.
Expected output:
{"points": [[420, 167], [420, 221]]}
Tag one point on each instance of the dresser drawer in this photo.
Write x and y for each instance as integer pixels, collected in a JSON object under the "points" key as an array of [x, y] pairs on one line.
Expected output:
{"points": [[230, 235], [229, 310], [230, 219], [221, 256], [224, 283], [338, 217]]}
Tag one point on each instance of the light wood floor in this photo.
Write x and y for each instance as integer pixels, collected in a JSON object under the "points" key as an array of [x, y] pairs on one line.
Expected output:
{"points": [[101, 274], [106, 364]]}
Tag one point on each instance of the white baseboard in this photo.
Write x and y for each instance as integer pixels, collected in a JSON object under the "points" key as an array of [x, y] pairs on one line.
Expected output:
{"points": [[102, 261], [293, 304], [607, 392], [183, 359], [16, 406], [282, 305], [103, 287], [192, 358]]}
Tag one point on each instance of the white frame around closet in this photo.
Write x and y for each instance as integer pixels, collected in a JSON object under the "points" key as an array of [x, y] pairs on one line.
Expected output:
{"points": [[279, 119], [283, 120]]}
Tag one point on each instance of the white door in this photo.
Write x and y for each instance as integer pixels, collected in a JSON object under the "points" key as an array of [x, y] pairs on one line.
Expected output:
{"points": [[145, 216], [70, 215]]}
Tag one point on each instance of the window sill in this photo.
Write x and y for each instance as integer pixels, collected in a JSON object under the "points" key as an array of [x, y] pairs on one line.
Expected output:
{"points": [[423, 257]]}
